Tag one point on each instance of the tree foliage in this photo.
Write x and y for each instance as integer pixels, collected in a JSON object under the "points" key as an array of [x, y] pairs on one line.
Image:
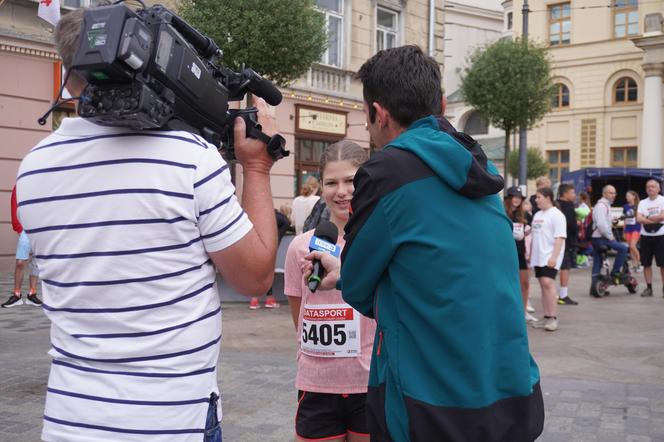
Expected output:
{"points": [[277, 38], [509, 82], [537, 165]]}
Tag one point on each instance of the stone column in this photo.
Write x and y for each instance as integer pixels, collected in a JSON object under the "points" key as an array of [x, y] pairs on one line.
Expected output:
{"points": [[652, 141]]}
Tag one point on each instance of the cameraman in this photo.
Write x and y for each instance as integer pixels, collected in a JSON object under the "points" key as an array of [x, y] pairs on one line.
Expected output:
{"points": [[129, 230], [451, 359], [602, 238]]}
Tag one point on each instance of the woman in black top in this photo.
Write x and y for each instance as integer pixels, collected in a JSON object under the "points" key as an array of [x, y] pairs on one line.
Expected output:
{"points": [[520, 229]]}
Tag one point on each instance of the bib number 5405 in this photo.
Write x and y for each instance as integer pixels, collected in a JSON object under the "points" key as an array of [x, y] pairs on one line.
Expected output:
{"points": [[324, 334]]}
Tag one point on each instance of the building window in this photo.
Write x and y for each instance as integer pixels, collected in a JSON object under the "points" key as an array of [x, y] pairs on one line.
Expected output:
{"points": [[334, 18], [624, 156], [626, 91], [558, 164], [560, 24], [476, 124], [510, 20], [560, 96], [625, 18], [588, 142], [387, 25]]}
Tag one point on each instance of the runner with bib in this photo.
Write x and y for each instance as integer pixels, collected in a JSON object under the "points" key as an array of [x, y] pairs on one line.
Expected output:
{"points": [[335, 341]]}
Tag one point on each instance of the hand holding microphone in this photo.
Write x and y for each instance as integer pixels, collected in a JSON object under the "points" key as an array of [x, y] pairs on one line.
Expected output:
{"points": [[324, 257]]}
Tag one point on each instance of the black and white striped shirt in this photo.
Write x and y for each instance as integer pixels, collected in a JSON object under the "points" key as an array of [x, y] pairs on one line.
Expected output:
{"points": [[121, 223]]}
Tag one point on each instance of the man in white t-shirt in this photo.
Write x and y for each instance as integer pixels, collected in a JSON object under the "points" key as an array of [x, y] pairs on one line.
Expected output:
{"points": [[650, 214], [129, 230], [603, 238]]}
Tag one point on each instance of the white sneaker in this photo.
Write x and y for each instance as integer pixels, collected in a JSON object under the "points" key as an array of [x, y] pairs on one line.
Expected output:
{"points": [[530, 308], [551, 324], [539, 323], [530, 318]]}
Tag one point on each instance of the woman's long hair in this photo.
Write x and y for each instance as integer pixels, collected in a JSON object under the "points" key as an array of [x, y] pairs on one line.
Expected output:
{"points": [[636, 198], [518, 215]]}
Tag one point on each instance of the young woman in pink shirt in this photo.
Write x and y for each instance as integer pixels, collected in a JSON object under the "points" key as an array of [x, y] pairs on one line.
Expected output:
{"points": [[335, 340]]}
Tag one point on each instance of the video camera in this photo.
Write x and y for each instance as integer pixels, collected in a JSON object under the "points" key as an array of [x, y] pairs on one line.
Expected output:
{"points": [[150, 69]]}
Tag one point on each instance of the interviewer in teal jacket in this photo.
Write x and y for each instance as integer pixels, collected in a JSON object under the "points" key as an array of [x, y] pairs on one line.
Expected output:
{"points": [[430, 255]]}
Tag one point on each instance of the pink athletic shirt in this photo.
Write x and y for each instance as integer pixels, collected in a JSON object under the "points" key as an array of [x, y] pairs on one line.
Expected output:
{"points": [[338, 375]]}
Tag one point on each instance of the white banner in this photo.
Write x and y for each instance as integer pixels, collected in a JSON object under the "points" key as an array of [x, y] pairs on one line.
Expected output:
{"points": [[49, 10]]}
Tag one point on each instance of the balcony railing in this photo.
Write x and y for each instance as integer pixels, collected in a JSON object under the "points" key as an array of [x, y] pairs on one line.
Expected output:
{"points": [[329, 79]]}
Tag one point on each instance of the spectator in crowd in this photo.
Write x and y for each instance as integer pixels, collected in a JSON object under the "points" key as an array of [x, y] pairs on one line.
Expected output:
{"points": [[540, 182], [566, 200], [520, 229], [650, 214], [283, 224], [318, 213], [24, 261], [332, 375], [303, 204], [602, 238], [584, 205], [549, 231], [632, 229], [584, 247]]}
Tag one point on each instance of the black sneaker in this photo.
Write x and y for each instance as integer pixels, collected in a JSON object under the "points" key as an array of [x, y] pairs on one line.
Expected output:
{"points": [[33, 300], [567, 301], [13, 301], [647, 292]]}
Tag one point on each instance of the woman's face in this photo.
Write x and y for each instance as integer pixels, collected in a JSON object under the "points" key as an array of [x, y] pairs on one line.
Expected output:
{"points": [[516, 202], [630, 198], [338, 189], [543, 202]]}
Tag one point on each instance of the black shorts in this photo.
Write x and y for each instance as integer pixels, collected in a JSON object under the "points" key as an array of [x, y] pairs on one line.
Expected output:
{"points": [[568, 258], [326, 415], [652, 246], [545, 272], [523, 264]]}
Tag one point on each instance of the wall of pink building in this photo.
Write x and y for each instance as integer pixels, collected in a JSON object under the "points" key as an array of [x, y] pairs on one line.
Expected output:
{"points": [[26, 91]]}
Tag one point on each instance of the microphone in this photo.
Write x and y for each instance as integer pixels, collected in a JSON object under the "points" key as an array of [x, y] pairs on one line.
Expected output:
{"points": [[264, 89], [324, 240]]}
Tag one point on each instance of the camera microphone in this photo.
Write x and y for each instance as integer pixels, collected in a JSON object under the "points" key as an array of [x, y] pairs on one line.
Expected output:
{"points": [[264, 89]]}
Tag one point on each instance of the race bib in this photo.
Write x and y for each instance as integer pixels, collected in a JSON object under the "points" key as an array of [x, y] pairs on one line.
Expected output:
{"points": [[330, 331], [518, 231], [654, 211]]}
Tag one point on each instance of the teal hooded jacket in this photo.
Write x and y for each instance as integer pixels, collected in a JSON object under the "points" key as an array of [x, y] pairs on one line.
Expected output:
{"points": [[429, 254]]}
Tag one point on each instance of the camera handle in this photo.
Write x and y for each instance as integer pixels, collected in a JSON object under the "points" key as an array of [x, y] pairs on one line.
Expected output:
{"points": [[275, 144]]}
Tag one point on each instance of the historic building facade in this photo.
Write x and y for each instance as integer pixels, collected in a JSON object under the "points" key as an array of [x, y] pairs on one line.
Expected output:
{"points": [[469, 25], [608, 62], [322, 107]]}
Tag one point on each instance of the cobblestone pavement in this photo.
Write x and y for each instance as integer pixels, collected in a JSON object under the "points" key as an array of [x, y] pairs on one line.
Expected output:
{"points": [[602, 371]]}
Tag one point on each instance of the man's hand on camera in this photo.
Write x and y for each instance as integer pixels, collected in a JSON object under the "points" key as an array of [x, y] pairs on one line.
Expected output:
{"points": [[250, 152], [331, 264]]}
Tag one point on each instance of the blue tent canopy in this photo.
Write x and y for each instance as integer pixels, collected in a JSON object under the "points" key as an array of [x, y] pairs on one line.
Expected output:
{"points": [[594, 177]]}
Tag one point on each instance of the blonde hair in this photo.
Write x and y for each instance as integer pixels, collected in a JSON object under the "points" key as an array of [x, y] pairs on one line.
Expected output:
{"points": [[543, 181], [343, 150], [310, 186]]}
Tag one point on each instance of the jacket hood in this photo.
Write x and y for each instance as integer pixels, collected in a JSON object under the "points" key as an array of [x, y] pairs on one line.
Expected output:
{"points": [[454, 156]]}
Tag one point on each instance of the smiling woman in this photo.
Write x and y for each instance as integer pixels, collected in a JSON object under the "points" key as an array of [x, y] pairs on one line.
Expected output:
{"points": [[335, 341]]}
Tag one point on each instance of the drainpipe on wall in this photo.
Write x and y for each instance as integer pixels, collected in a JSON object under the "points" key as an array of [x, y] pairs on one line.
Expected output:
{"points": [[432, 27]]}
